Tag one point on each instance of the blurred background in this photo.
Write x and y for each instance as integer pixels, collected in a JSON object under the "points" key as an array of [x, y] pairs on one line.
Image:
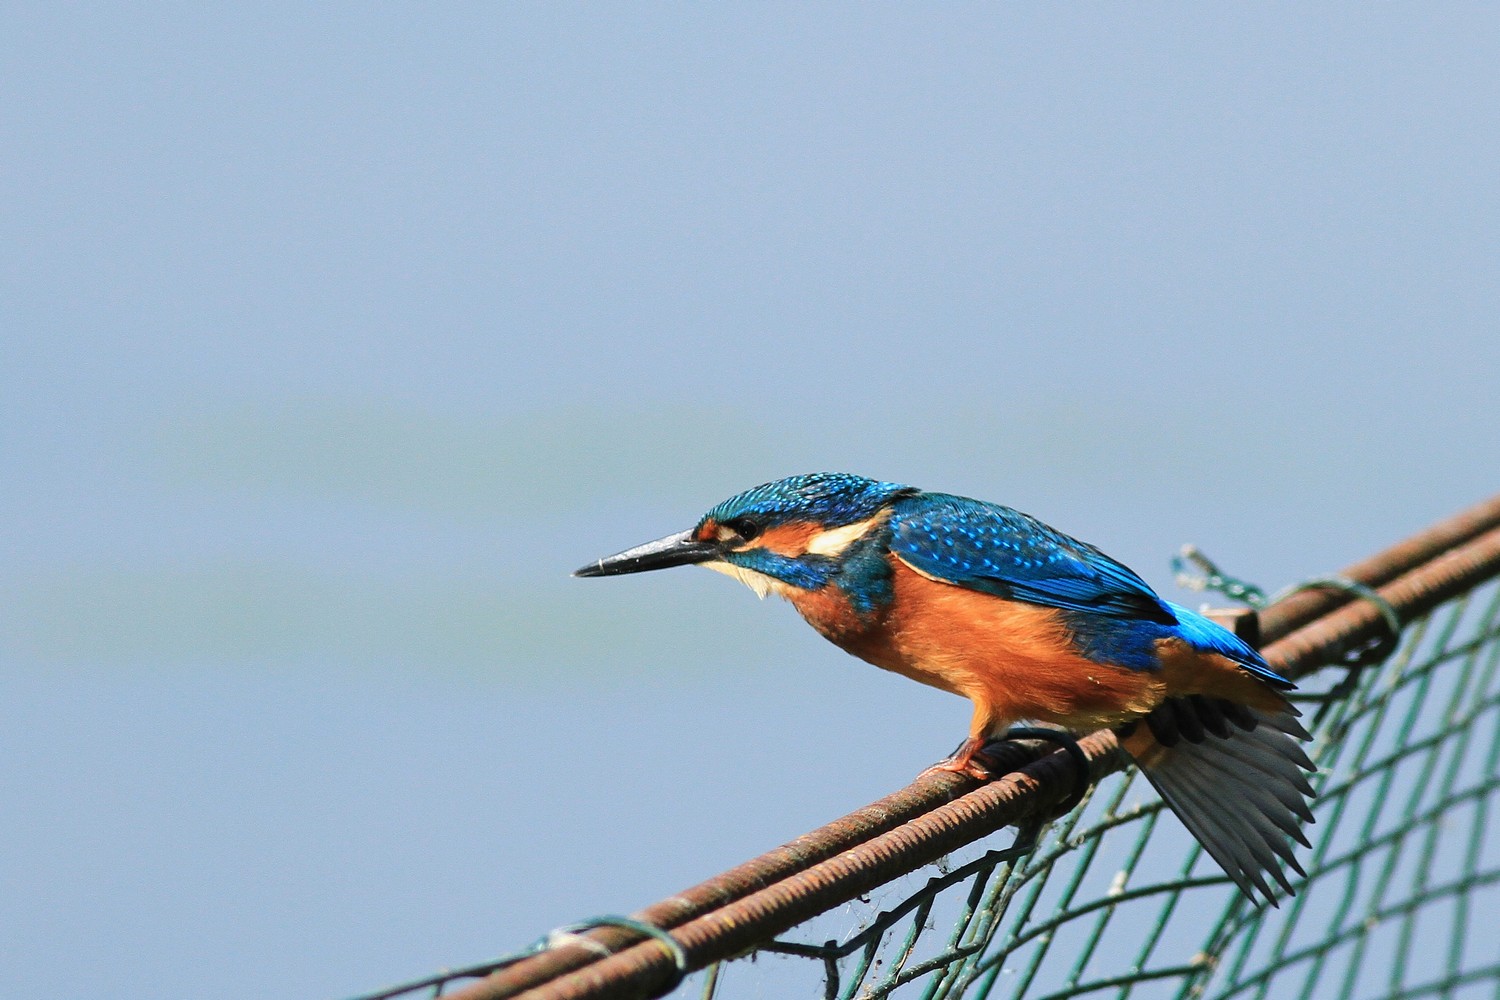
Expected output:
{"points": [[334, 337]]}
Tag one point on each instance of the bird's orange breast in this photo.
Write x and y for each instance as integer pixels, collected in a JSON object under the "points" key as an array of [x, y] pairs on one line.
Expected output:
{"points": [[1013, 660]]}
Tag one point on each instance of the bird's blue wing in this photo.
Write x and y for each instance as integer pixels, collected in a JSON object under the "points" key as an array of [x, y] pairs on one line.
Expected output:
{"points": [[1000, 551]]}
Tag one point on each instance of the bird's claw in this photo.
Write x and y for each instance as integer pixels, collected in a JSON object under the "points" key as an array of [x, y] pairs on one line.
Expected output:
{"points": [[972, 767], [966, 760]]}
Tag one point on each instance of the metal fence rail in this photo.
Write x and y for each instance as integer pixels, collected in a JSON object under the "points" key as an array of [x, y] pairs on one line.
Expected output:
{"points": [[1409, 758]]}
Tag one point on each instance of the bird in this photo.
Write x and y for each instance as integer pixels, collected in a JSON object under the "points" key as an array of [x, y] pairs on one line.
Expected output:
{"points": [[1029, 624]]}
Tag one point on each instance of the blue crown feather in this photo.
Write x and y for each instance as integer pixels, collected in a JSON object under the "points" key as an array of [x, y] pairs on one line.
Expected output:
{"points": [[832, 499]]}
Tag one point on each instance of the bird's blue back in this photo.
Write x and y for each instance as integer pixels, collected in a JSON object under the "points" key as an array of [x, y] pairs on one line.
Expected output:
{"points": [[1113, 615]]}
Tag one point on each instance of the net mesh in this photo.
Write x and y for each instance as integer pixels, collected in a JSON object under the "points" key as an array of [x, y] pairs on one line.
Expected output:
{"points": [[1401, 899]]}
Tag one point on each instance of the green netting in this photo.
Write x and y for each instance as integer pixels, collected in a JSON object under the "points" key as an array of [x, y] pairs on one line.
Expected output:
{"points": [[1402, 897]]}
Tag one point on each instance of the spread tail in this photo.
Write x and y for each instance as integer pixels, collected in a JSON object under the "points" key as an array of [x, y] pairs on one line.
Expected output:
{"points": [[1233, 775]]}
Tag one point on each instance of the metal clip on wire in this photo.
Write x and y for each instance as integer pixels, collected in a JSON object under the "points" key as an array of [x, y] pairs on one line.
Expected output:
{"points": [[562, 936], [572, 934]]}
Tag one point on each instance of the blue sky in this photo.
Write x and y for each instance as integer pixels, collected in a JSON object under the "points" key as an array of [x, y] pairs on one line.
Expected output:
{"points": [[336, 336]]}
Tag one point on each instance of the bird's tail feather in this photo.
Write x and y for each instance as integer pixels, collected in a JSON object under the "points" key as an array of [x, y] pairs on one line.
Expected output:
{"points": [[1238, 788]]}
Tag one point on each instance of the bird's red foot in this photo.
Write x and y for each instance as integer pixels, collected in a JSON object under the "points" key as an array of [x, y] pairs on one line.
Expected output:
{"points": [[966, 760]]}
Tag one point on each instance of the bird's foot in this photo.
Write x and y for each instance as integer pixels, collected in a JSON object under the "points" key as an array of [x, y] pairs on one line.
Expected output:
{"points": [[967, 759]]}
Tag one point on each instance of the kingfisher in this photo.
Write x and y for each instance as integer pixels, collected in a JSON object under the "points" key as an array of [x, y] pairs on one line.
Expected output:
{"points": [[1029, 624]]}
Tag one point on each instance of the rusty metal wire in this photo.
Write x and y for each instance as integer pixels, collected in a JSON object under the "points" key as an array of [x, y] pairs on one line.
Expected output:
{"points": [[941, 814]]}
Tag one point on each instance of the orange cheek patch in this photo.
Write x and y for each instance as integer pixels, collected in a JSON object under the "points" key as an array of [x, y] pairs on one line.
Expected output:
{"points": [[708, 532], [788, 539]]}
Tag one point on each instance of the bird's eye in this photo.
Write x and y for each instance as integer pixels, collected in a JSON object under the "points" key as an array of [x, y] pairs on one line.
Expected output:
{"points": [[744, 527]]}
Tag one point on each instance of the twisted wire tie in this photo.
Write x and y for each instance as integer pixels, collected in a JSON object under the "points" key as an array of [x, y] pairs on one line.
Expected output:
{"points": [[572, 934]]}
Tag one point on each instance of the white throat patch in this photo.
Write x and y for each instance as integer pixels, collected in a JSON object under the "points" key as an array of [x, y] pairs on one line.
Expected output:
{"points": [[758, 582]]}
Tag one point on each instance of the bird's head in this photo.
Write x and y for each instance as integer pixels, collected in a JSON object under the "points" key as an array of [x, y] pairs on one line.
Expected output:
{"points": [[786, 534]]}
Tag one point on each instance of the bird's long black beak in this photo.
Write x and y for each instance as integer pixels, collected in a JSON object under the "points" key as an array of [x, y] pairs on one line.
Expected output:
{"points": [[681, 549]]}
